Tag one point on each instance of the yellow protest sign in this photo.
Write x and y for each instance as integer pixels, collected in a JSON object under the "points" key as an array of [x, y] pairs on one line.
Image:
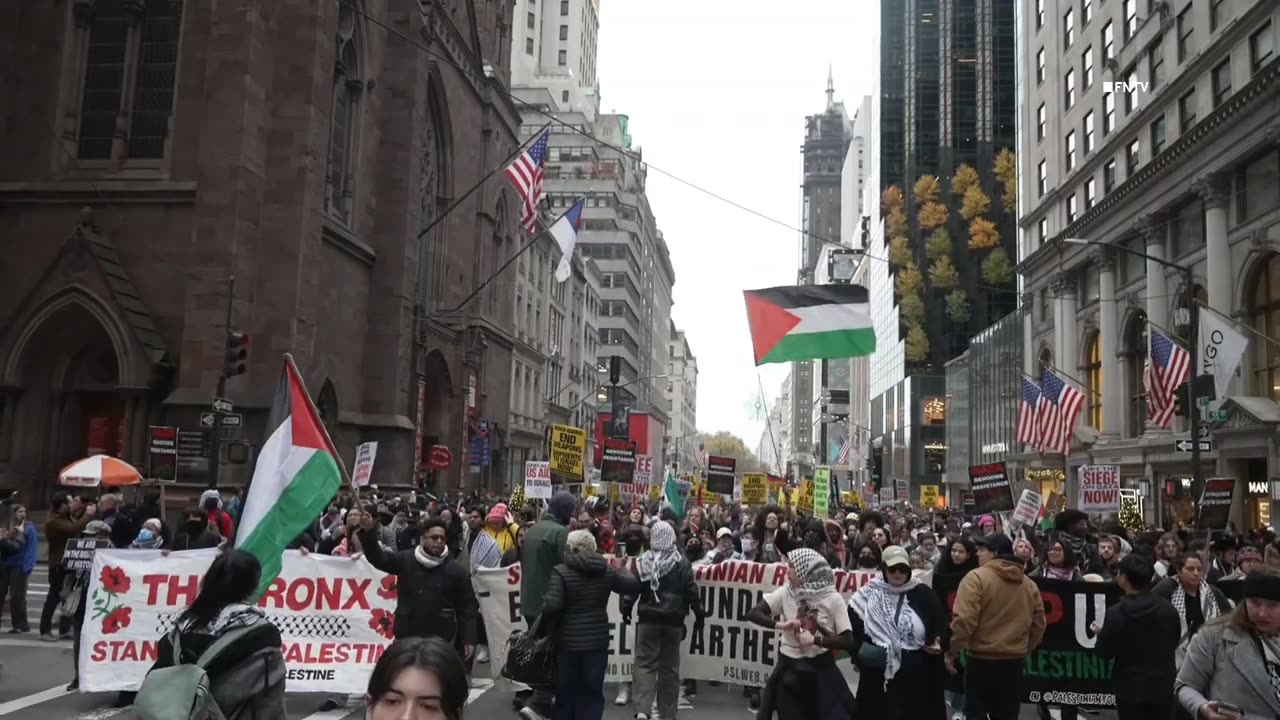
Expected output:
{"points": [[929, 496], [804, 498], [655, 491], [589, 491], [615, 493], [851, 499], [568, 452], [755, 489]]}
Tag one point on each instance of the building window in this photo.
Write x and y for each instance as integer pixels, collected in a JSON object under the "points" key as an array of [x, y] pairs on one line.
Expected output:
{"points": [[1131, 158], [1136, 356], [1264, 312], [1187, 228], [528, 46], [343, 124], [1043, 228], [1185, 29], [564, 8], [1108, 41], [1108, 113], [1131, 101], [1040, 67], [1090, 193], [1041, 120], [1042, 182], [1187, 111], [564, 32], [1069, 88], [1109, 176], [1258, 183], [1221, 82], [1070, 148], [1155, 64], [531, 21], [1086, 63], [1093, 377], [1130, 13], [562, 57], [1157, 136], [1039, 14], [1068, 28], [129, 62], [1072, 209], [1217, 14], [1088, 132], [1087, 14], [1262, 46]]}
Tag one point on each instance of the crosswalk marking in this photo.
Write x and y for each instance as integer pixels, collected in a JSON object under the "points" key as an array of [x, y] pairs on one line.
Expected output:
{"points": [[23, 703]]}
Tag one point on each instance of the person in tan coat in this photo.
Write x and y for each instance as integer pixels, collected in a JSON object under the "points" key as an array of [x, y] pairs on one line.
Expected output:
{"points": [[997, 619]]}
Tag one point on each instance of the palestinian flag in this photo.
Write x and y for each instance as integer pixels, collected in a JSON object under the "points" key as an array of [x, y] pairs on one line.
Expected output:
{"points": [[297, 474], [810, 322]]}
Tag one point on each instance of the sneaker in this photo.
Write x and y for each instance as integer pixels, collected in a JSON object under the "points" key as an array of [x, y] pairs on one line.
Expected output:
{"points": [[47, 637], [624, 694], [74, 685], [482, 653], [641, 716], [19, 631], [529, 713], [753, 702]]}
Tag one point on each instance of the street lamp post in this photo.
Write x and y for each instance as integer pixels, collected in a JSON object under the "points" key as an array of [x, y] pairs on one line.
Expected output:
{"points": [[1188, 283]]}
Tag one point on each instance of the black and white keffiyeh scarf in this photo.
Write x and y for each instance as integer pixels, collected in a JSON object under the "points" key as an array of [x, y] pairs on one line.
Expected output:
{"points": [[814, 577], [1208, 606], [887, 625]]}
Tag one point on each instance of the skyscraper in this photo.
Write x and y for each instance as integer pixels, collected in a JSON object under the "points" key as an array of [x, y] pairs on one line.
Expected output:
{"points": [[947, 101], [553, 46]]}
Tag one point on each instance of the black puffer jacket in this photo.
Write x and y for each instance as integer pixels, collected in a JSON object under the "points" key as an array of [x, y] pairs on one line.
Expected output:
{"points": [[577, 600], [435, 602], [677, 595]]}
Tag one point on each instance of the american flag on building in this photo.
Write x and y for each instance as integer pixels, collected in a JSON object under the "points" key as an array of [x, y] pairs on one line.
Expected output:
{"points": [[1059, 408], [1028, 428], [1170, 367], [842, 457], [701, 455], [526, 175]]}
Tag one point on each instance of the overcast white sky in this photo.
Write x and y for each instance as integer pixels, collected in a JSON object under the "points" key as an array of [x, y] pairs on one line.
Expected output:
{"points": [[717, 92]]}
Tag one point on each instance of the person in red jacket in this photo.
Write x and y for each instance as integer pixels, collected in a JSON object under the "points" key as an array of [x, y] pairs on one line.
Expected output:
{"points": [[219, 519]]}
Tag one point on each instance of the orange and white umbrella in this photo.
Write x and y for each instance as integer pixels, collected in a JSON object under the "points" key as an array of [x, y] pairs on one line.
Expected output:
{"points": [[99, 470]]}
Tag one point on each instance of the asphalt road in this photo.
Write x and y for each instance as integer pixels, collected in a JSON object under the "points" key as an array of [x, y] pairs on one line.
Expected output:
{"points": [[35, 674]]}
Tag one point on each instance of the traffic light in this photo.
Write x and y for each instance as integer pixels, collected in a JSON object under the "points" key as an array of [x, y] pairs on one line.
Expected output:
{"points": [[1182, 400], [615, 369], [237, 354]]}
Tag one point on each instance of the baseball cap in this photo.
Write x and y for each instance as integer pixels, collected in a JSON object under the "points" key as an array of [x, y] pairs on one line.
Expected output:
{"points": [[895, 555], [998, 543], [724, 532]]}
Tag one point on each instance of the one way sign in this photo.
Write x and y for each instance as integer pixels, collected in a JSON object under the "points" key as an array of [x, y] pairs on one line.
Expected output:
{"points": [[1185, 446]]}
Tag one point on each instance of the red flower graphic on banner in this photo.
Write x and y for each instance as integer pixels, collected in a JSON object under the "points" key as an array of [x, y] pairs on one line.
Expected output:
{"points": [[115, 580], [389, 589], [383, 623], [118, 620]]}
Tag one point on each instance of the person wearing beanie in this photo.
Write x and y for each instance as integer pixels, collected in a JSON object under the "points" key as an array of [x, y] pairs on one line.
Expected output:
{"points": [[502, 527], [1141, 634], [543, 550], [1232, 667], [1247, 560], [998, 618], [577, 601]]}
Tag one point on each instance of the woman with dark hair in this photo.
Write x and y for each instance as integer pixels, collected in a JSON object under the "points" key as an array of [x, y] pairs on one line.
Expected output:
{"points": [[770, 535], [868, 557], [1059, 562], [417, 679], [957, 559], [247, 677], [1196, 601]]}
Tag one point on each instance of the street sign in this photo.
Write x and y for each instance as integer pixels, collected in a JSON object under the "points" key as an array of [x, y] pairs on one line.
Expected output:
{"points": [[228, 420], [484, 426], [222, 405], [1185, 446], [1218, 416]]}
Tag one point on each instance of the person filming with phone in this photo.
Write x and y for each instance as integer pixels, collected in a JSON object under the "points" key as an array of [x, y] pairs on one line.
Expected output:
{"points": [[1232, 666]]}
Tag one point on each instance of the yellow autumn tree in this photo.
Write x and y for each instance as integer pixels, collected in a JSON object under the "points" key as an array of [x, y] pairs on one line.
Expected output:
{"points": [[917, 343], [926, 189], [965, 177], [983, 234], [911, 309], [932, 216], [943, 273], [892, 197], [910, 281], [897, 222], [938, 244], [1006, 171], [975, 203], [997, 269], [899, 252]]}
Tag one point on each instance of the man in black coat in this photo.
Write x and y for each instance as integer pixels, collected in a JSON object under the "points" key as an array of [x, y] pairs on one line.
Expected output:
{"points": [[1141, 632]]}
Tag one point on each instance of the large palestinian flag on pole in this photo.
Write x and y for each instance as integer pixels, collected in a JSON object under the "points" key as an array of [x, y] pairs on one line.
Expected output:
{"points": [[297, 474], [810, 322]]}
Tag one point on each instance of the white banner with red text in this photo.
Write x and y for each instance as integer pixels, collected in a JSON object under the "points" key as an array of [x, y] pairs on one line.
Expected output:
{"points": [[334, 615], [729, 649]]}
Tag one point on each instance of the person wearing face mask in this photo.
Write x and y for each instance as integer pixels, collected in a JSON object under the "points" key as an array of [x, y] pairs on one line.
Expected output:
{"points": [[724, 549], [869, 557], [195, 533], [149, 537]]}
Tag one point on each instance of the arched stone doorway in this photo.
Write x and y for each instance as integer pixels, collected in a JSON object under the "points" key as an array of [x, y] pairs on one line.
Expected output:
{"points": [[439, 404], [69, 405]]}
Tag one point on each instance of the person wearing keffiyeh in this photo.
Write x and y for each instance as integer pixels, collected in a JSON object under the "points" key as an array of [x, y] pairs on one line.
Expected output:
{"points": [[1196, 601], [811, 617]]}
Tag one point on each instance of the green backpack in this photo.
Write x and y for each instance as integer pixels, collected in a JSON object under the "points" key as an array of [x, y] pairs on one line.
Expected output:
{"points": [[183, 692]]}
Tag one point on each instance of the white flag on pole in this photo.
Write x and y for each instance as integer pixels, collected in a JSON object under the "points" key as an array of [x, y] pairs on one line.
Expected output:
{"points": [[1222, 347]]}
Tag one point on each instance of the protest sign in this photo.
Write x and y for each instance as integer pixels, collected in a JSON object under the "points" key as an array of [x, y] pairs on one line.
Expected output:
{"points": [[618, 461], [755, 489], [1028, 509], [929, 496], [638, 488], [366, 453], [821, 492], [991, 491], [78, 554], [568, 453], [729, 649], [1099, 488], [1215, 503], [335, 616], [537, 480], [903, 488], [720, 474]]}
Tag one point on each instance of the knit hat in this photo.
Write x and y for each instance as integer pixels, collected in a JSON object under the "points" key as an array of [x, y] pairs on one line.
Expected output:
{"points": [[1262, 585], [498, 513]]}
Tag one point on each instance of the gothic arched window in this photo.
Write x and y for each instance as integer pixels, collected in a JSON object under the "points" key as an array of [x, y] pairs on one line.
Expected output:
{"points": [[345, 120]]}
